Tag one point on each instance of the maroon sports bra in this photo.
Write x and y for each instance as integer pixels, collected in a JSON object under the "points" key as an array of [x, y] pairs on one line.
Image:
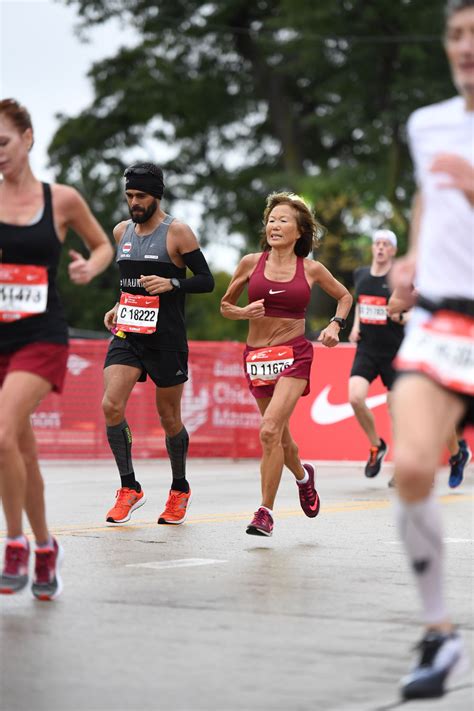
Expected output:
{"points": [[283, 299]]}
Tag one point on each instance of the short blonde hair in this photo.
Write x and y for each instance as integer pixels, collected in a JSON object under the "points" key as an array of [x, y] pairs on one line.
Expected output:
{"points": [[310, 229]]}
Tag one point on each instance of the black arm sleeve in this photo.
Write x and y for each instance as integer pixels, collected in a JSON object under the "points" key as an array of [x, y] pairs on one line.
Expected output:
{"points": [[202, 281]]}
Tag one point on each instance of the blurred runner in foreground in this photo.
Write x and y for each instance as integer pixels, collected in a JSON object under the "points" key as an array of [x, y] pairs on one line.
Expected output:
{"points": [[436, 389], [34, 220]]}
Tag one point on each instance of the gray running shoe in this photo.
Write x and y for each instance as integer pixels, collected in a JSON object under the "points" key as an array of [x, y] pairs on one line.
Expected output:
{"points": [[14, 576], [47, 583]]}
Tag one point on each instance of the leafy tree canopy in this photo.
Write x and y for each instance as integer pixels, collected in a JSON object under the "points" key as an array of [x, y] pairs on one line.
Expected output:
{"points": [[242, 97]]}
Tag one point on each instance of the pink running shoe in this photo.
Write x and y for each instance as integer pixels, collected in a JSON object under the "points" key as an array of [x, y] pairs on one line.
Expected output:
{"points": [[47, 583], [309, 498], [14, 576], [261, 524]]}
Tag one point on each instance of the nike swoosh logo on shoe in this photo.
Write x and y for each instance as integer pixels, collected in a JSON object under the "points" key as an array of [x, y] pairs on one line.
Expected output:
{"points": [[324, 412], [281, 291], [314, 506]]}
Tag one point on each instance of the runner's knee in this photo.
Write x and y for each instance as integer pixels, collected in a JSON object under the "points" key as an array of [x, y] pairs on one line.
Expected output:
{"points": [[171, 422], [8, 442], [114, 411], [269, 433], [412, 468]]}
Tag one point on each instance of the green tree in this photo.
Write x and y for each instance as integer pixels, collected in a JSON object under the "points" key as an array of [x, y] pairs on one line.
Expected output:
{"points": [[246, 97]]}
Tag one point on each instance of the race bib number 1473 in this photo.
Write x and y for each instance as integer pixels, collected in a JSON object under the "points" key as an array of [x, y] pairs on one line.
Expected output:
{"points": [[23, 291]]}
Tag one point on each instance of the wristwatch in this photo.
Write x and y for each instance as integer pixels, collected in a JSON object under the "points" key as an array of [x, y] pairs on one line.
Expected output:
{"points": [[339, 320], [175, 283]]}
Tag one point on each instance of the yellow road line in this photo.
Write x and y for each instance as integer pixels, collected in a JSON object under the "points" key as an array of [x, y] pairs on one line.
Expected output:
{"points": [[342, 507]]}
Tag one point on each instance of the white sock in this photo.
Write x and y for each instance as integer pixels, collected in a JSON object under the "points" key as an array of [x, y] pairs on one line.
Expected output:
{"points": [[420, 529], [18, 539], [48, 544], [304, 479], [267, 509]]}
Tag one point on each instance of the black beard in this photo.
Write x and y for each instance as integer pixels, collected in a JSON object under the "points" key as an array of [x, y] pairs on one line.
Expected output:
{"points": [[141, 217]]}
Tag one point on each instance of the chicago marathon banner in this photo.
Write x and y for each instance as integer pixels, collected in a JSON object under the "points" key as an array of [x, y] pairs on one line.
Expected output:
{"points": [[219, 413]]}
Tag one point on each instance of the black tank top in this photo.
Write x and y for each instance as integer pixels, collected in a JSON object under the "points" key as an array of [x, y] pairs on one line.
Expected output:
{"points": [[382, 336], [148, 255], [38, 245]]}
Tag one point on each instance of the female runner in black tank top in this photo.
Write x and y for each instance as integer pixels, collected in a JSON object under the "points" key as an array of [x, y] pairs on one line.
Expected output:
{"points": [[34, 219], [279, 283]]}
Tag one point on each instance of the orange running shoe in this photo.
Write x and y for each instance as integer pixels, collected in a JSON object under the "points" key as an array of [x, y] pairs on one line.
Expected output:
{"points": [[176, 507], [126, 501]]}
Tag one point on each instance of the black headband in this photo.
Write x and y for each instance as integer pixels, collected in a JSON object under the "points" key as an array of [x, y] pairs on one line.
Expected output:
{"points": [[145, 182]]}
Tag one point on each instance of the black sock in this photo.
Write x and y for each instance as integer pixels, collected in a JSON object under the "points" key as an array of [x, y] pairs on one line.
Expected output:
{"points": [[177, 448], [180, 485], [129, 482], [120, 441]]}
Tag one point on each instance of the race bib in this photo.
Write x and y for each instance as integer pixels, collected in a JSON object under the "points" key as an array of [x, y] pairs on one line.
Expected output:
{"points": [[138, 314], [23, 291], [264, 365], [443, 348], [373, 309]]}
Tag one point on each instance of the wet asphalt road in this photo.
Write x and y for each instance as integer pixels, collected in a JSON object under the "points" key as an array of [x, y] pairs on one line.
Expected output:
{"points": [[202, 617]]}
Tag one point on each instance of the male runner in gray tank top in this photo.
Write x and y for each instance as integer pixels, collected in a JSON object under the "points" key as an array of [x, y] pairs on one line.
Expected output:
{"points": [[153, 252]]}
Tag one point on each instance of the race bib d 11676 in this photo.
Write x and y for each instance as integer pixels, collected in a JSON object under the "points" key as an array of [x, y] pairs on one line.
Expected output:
{"points": [[443, 348], [23, 291], [264, 365], [138, 314]]}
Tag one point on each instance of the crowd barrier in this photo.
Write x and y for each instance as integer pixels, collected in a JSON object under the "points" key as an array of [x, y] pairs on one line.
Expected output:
{"points": [[219, 413]]}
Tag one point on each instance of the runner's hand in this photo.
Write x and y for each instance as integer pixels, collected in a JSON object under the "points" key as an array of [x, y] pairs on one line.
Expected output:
{"points": [[254, 310], [110, 318], [402, 277], [329, 336], [154, 284], [458, 172], [354, 335], [79, 269]]}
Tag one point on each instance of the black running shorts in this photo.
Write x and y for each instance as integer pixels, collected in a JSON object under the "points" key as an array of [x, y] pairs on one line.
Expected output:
{"points": [[369, 366], [165, 368]]}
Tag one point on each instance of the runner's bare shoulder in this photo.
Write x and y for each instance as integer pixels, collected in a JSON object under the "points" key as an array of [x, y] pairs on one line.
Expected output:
{"points": [[119, 230]]}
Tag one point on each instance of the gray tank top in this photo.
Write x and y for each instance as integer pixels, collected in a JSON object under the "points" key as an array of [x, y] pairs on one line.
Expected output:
{"points": [[148, 255]]}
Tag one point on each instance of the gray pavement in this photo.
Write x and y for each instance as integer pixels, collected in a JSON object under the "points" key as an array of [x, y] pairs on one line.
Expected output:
{"points": [[202, 617]]}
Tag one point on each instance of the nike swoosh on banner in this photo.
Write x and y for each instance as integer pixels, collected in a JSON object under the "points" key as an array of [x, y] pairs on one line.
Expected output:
{"points": [[325, 413], [282, 291]]}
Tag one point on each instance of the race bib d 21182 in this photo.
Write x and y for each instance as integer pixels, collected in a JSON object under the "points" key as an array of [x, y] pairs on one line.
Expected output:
{"points": [[373, 310]]}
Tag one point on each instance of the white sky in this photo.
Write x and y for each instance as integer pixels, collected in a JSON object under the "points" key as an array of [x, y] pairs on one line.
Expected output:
{"points": [[44, 65]]}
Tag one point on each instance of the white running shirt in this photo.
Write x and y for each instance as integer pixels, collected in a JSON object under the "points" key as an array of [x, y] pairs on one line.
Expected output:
{"points": [[445, 262]]}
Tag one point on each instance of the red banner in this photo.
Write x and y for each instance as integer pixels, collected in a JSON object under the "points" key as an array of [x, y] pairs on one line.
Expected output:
{"points": [[219, 413]]}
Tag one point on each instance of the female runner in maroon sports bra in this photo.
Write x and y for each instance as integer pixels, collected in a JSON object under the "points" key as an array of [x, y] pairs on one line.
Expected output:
{"points": [[278, 357]]}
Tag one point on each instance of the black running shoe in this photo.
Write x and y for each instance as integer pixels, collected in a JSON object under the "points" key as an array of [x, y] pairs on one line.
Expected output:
{"points": [[375, 459], [441, 657]]}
